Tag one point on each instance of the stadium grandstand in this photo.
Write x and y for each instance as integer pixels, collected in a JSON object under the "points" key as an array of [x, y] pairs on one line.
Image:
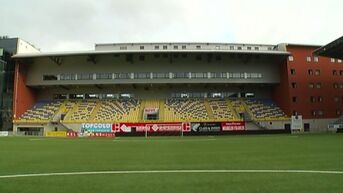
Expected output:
{"points": [[132, 88]]}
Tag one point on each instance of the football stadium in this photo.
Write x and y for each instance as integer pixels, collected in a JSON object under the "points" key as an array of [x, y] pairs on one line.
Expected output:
{"points": [[172, 117]]}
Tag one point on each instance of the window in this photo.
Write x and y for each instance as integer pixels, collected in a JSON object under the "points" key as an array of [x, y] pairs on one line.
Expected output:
{"points": [[181, 75], [337, 99], [232, 47], [257, 48], [316, 59], [109, 96], [254, 75], [248, 48], [334, 72], [126, 95], [319, 85], [338, 112], [333, 60], [157, 47], [341, 72], [122, 75], [294, 85], [236, 75], [199, 74], [310, 72], [317, 113], [218, 75], [198, 47], [320, 112], [91, 96], [290, 58], [142, 75], [141, 47], [60, 96], [339, 61], [216, 95], [292, 71], [76, 96], [184, 47], [317, 72], [311, 85], [294, 99], [239, 48], [308, 59], [68, 77], [313, 99], [176, 47], [165, 47], [335, 85], [49, 77], [160, 75], [123, 48], [103, 76], [85, 76], [320, 99]]}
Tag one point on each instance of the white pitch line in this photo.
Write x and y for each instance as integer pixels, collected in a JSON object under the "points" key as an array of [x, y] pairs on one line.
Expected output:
{"points": [[170, 171]]}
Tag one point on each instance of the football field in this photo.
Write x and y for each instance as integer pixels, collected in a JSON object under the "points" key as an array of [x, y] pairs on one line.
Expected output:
{"points": [[252, 163]]}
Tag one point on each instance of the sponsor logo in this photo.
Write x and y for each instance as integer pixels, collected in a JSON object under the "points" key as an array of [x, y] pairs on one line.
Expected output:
{"points": [[205, 127], [56, 134], [233, 126], [151, 110], [149, 127], [96, 127]]}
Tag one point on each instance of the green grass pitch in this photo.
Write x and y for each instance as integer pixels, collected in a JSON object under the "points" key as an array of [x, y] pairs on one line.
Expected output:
{"points": [[25, 155]]}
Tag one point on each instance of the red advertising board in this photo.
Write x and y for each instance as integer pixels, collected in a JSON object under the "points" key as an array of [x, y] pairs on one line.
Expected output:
{"points": [[151, 127], [72, 134], [233, 126]]}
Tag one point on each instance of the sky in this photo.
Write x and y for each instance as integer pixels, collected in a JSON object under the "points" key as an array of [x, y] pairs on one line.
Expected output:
{"points": [[66, 25]]}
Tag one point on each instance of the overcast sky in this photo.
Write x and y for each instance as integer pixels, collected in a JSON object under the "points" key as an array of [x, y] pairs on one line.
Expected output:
{"points": [[62, 25]]}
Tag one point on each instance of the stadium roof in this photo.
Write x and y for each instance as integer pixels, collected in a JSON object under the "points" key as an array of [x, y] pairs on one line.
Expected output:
{"points": [[107, 49], [332, 50]]}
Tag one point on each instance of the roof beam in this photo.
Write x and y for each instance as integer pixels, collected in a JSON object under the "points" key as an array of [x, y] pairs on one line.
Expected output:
{"points": [[57, 60], [91, 58]]}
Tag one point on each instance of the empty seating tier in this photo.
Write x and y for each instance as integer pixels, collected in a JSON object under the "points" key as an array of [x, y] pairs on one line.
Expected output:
{"points": [[221, 110], [41, 112], [264, 109], [170, 110], [186, 110]]}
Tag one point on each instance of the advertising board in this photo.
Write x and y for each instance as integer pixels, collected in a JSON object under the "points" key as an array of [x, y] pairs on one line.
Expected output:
{"points": [[233, 126], [150, 127], [96, 127]]}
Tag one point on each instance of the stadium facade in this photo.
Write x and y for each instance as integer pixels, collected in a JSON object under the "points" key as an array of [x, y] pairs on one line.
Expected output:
{"points": [[189, 87], [9, 47]]}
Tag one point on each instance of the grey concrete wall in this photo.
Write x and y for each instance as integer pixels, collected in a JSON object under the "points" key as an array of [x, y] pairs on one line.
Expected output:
{"points": [[154, 91], [268, 66]]}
